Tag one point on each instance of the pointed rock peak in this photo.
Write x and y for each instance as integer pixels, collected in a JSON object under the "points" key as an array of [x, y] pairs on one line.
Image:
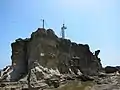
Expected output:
{"points": [[97, 53], [41, 31], [51, 33]]}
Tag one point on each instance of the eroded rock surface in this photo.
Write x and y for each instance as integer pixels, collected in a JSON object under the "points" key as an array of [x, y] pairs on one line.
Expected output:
{"points": [[45, 56], [45, 48]]}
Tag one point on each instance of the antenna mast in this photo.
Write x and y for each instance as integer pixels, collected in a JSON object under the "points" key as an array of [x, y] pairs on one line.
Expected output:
{"points": [[43, 23], [63, 31]]}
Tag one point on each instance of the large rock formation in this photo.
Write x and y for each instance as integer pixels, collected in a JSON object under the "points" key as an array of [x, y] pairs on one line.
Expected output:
{"points": [[44, 56], [45, 48], [45, 61]]}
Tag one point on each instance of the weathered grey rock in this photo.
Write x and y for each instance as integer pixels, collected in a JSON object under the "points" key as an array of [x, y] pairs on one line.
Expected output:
{"points": [[85, 78], [19, 59], [110, 69], [44, 56], [97, 53], [5, 73], [52, 52]]}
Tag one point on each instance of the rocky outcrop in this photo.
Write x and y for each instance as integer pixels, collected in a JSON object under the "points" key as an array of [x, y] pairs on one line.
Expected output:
{"points": [[109, 82], [5, 73], [44, 56], [50, 51], [19, 59], [111, 69]]}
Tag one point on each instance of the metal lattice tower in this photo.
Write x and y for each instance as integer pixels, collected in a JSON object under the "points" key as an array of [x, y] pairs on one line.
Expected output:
{"points": [[63, 31]]}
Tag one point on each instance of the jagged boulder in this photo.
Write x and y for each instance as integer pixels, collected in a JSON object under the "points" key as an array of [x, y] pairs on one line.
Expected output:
{"points": [[97, 53], [110, 69], [5, 73]]}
